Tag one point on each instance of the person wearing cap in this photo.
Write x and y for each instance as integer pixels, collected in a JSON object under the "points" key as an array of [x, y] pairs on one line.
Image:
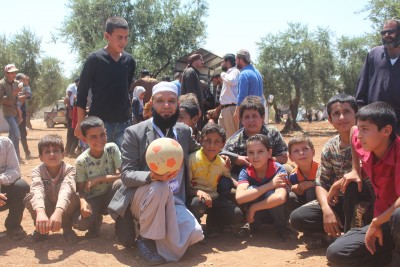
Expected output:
{"points": [[250, 80], [9, 90], [228, 98], [108, 72], [156, 202], [191, 78], [145, 81]]}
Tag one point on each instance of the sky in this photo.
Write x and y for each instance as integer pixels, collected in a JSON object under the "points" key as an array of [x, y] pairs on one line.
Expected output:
{"points": [[231, 24]]}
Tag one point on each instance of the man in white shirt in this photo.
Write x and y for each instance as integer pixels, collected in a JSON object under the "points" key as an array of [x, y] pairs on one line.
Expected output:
{"points": [[228, 97]]}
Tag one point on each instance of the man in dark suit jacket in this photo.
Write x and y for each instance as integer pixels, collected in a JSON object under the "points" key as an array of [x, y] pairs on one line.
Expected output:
{"points": [[153, 200]]}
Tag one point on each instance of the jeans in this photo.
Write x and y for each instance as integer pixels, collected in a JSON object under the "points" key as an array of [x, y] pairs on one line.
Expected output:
{"points": [[115, 131], [15, 205], [350, 249], [13, 132]]}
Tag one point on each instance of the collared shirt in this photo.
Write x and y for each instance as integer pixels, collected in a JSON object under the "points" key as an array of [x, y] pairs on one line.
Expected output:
{"points": [[248, 174], [204, 174], [57, 190], [7, 100], [384, 174], [297, 176], [250, 83], [335, 162], [236, 144], [229, 86], [88, 168], [379, 80], [9, 166]]}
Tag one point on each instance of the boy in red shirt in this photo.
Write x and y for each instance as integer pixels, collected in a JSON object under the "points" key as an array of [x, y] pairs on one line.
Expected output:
{"points": [[376, 145]]}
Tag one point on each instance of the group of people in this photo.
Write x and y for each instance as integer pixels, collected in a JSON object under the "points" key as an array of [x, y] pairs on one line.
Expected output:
{"points": [[235, 167]]}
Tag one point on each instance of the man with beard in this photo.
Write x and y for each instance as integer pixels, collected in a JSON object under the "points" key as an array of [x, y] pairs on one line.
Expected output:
{"points": [[379, 79], [155, 202], [250, 80]]}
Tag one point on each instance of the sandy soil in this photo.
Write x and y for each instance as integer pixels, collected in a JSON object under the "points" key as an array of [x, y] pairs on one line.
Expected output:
{"points": [[264, 249]]}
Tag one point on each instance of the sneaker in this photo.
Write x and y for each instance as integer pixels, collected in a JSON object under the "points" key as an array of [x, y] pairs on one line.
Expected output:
{"points": [[95, 230], [38, 237], [287, 234], [16, 233], [147, 251], [70, 236]]}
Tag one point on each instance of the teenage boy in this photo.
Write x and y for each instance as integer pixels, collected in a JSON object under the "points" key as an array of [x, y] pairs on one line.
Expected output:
{"points": [[96, 170], [52, 200], [189, 115], [376, 145], [333, 211], [209, 181], [108, 72], [302, 179]]}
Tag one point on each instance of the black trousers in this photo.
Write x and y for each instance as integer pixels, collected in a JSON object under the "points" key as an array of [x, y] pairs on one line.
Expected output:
{"points": [[24, 134], [72, 140], [309, 217], [14, 203], [349, 250]]}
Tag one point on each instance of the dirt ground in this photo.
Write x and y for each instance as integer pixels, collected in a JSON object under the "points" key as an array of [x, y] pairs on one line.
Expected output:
{"points": [[263, 249]]}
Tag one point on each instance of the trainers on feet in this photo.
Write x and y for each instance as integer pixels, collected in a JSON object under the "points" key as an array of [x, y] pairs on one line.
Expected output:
{"points": [[147, 251], [38, 237], [287, 234], [16, 233], [70, 236]]}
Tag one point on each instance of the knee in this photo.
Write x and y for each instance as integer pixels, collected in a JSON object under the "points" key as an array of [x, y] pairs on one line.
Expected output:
{"points": [[332, 254], [198, 207], [159, 191], [351, 190], [296, 219]]}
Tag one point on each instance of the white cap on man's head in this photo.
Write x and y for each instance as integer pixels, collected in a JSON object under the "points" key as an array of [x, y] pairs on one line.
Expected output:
{"points": [[163, 87], [10, 68]]}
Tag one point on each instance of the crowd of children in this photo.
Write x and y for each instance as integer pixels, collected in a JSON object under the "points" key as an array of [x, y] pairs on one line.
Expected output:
{"points": [[348, 202]]}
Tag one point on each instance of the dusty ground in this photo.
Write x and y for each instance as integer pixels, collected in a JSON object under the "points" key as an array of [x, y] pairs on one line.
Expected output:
{"points": [[264, 249]]}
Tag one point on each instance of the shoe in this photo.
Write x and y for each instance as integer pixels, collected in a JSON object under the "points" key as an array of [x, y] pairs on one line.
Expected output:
{"points": [[95, 231], [16, 233], [147, 251], [243, 231], [70, 236], [38, 237], [287, 234]]}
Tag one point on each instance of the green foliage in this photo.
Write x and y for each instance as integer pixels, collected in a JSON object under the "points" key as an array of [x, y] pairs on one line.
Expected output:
{"points": [[298, 66], [161, 31]]}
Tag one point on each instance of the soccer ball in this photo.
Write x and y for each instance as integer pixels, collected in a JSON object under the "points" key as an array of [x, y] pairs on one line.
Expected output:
{"points": [[164, 155]]}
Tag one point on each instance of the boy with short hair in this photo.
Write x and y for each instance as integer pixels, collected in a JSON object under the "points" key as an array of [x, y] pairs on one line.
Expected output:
{"points": [[302, 179], [374, 143], [189, 115], [96, 170], [334, 209], [52, 200], [210, 182]]}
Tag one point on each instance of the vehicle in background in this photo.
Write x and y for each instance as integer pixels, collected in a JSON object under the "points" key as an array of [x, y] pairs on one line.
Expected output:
{"points": [[57, 115]]}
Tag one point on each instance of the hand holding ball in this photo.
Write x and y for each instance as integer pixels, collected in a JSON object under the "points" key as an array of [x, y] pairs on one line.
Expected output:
{"points": [[164, 155]]}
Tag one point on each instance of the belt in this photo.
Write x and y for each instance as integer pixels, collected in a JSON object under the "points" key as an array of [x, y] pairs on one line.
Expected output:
{"points": [[228, 105]]}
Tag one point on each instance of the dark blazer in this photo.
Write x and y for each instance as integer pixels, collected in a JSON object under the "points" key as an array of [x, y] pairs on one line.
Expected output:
{"points": [[134, 168]]}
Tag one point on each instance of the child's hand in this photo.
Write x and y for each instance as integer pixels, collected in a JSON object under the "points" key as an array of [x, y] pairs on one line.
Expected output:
{"points": [[351, 177], [206, 197], [228, 163], [333, 196], [304, 185], [280, 180], [332, 224], [56, 220], [242, 161], [89, 184], [42, 222], [3, 198], [86, 209]]}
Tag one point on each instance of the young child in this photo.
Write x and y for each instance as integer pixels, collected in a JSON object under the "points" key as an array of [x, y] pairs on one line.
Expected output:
{"points": [[263, 187], [137, 104], [189, 115], [302, 152], [52, 200], [210, 182], [96, 170], [374, 143], [334, 210]]}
